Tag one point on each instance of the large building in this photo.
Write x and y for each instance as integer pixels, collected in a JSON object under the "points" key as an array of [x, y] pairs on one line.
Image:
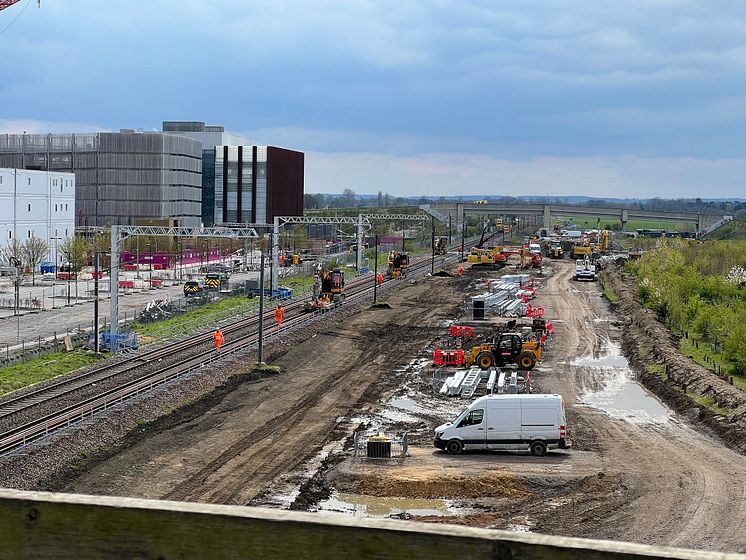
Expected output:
{"points": [[125, 177], [37, 204], [241, 182]]}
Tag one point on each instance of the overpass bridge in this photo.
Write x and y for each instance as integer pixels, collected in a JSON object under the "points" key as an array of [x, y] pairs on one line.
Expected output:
{"points": [[455, 212]]}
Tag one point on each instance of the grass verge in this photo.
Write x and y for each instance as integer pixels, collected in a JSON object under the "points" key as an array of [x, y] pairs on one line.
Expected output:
{"points": [[42, 368], [608, 292], [708, 404], [698, 349], [199, 317]]}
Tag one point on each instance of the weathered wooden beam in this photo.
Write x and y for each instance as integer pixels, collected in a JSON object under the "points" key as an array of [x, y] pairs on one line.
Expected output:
{"points": [[46, 525]]}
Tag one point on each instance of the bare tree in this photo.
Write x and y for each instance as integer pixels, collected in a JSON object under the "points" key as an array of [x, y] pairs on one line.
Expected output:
{"points": [[13, 255], [34, 250]]}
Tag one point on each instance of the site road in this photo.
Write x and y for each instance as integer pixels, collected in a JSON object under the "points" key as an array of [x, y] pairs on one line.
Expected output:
{"points": [[688, 489], [638, 472]]}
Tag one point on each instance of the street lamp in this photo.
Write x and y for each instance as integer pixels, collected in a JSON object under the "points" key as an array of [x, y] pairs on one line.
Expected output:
{"points": [[16, 263], [69, 272]]}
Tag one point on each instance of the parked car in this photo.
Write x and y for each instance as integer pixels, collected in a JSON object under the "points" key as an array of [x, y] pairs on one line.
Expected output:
{"points": [[528, 422]]}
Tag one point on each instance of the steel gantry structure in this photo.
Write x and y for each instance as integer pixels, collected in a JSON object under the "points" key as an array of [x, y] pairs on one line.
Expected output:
{"points": [[119, 233], [7, 3], [360, 221]]}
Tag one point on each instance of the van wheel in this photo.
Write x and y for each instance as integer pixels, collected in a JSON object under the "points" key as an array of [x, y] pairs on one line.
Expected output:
{"points": [[538, 449], [485, 360], [454, 447], [527, 360]]}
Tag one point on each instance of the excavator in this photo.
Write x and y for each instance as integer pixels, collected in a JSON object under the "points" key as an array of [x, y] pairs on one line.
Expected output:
{"points": [[398, 263], [328, 289], [441, 245]]}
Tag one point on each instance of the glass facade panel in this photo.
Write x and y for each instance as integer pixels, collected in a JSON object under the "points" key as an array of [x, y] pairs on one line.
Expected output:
{"points": [[246, 179], [231, 213], [208, 187], [219, 185]]}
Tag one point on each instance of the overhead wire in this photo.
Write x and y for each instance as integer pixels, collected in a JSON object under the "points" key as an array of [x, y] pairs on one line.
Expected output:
{"points": [[4, 29]]}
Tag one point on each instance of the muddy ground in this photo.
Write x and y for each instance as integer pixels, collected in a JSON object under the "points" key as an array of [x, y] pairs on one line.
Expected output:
{"points": [[638, 471]]}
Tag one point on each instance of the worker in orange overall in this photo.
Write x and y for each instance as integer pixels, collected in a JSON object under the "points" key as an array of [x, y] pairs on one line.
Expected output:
{"points": [[279, 315], [379, 279], [219, 339], [460, 271]]}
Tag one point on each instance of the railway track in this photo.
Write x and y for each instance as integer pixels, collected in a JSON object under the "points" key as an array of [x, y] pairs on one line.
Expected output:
{"points": [[22, 435]]}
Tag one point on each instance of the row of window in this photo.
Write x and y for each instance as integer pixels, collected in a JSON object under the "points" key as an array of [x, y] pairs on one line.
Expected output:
{"points": [[29, 233], [55, 207], [62, 183]]}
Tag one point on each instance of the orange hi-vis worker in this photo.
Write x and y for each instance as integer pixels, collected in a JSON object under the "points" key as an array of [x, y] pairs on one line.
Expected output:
{"points": [[219, 339], [379, 279], [279, 315]]}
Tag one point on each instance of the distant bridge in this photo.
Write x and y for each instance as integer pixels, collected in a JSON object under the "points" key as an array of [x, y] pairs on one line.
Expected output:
{"points": [[455, 212]]}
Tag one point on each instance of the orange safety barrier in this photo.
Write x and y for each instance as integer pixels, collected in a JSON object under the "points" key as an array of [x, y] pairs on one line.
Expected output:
{"points": [[448, 357], [459, 330]]}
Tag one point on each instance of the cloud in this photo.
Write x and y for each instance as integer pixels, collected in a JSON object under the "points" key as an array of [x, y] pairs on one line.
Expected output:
{"points": [[30, 126], [451, 174]]}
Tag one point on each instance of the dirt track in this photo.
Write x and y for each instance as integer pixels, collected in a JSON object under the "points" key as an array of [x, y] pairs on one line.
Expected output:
{"points": [[685, 488], [651, 479]]}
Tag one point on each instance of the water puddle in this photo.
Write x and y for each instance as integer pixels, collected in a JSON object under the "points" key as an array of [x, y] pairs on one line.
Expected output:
{"points": [[610, 386], [359, 505]]}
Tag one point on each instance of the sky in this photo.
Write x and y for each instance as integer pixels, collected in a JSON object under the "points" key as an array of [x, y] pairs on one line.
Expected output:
{"points": [[439, 98]]}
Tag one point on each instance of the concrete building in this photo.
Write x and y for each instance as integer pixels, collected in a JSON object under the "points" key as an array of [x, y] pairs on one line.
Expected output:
{"points": [[125, 177], [36, 204], [241, 182]]}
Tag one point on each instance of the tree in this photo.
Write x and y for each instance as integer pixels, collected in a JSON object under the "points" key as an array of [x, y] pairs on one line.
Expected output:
{"points": [[34, 250], [380, 199], [13, 255], [349, 197], [75, 249]]}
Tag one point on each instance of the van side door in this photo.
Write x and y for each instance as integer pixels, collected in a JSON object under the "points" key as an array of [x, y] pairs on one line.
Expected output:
{"points": [[503, 423], [472, 429]]}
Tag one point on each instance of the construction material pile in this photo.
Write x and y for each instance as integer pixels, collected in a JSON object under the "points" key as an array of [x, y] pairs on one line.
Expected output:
{"points": [[508, 296], [466, 383]]}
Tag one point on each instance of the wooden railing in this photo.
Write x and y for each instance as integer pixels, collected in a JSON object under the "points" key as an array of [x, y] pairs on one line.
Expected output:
{"points": [[46, 525]]}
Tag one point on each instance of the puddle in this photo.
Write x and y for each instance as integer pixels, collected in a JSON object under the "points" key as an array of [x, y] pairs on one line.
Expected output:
{"points": [[610, 386], [408, 404], [359, 505], [397, 416]]}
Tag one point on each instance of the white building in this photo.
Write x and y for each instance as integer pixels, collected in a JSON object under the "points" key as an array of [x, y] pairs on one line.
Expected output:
{"points": [[36, 203]]}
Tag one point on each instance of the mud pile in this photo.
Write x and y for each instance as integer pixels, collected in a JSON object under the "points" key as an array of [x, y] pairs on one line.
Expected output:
{"points": [[424, 483], [647, 341]]}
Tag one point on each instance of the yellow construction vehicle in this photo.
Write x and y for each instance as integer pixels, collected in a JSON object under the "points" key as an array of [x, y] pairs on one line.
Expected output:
{"points": [[580, 250], [603, 242], [493, 256], [506, 348]]}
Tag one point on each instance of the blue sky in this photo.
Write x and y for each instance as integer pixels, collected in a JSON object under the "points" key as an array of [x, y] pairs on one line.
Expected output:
{"points": [[634, 98]]}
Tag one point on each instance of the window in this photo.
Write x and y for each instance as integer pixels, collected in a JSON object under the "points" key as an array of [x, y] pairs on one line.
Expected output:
{"points": [[10, 235], [60, 188], [29, 207], [65, 207], [29, 181], [29, 234], [55, 209], [474, 418]]}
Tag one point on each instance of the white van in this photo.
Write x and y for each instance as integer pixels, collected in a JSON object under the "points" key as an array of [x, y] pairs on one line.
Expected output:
{"points": [[531, 422]]}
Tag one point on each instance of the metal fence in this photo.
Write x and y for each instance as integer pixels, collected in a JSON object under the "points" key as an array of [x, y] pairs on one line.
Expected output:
{"points": [[373, 444]]}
